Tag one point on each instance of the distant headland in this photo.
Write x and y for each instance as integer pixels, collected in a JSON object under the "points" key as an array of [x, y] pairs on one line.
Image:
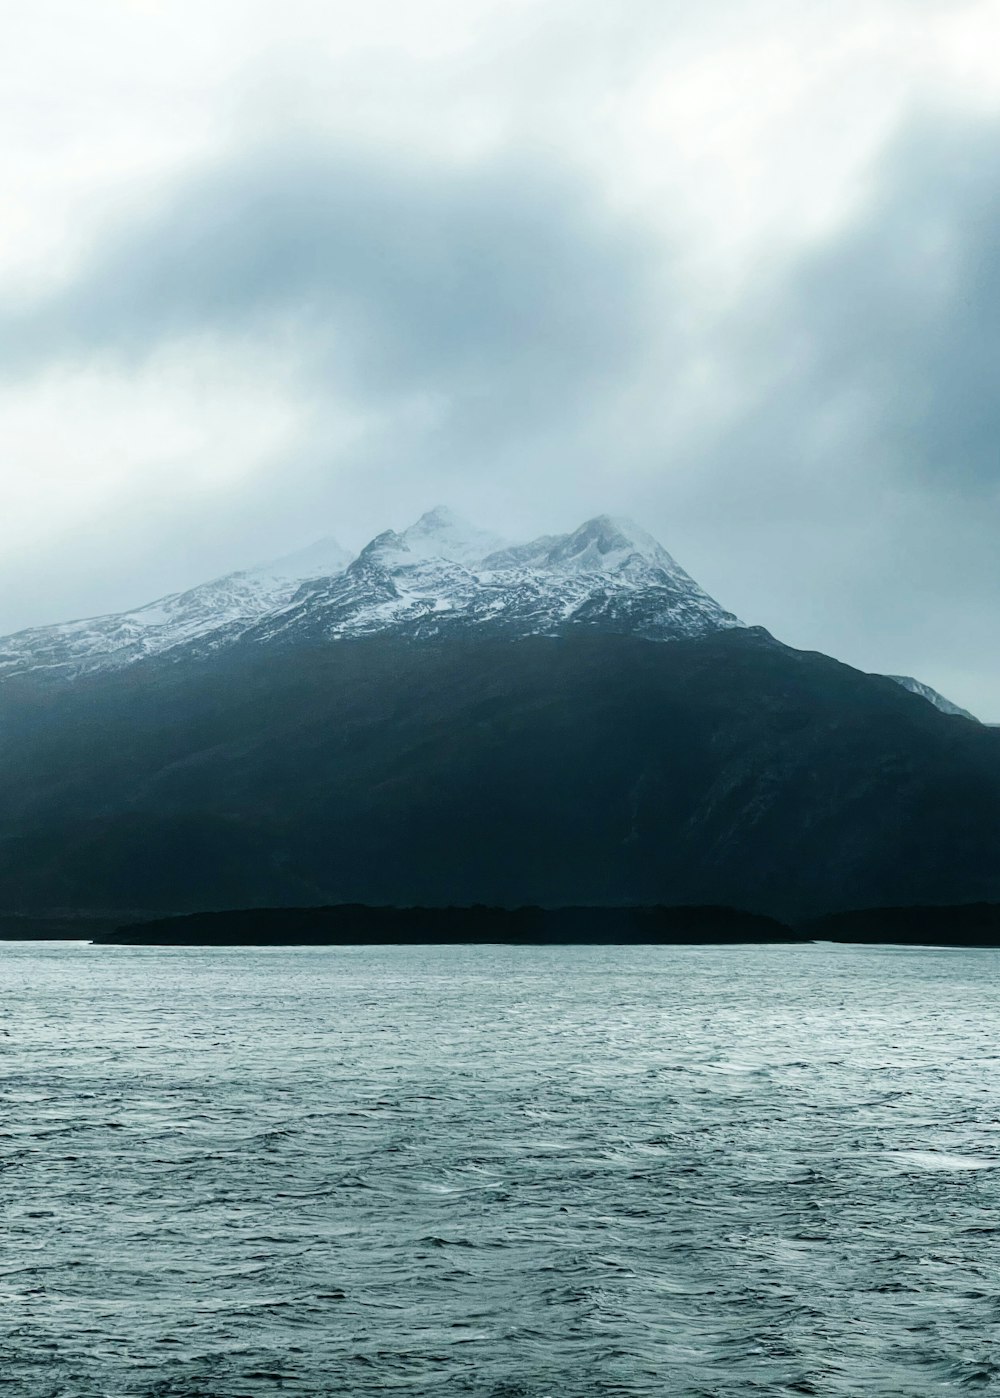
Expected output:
{"points": [[354, 924], [963, 925]]}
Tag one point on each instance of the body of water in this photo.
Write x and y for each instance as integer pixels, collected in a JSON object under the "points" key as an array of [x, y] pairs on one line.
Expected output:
{"points": [[502, 1171]]}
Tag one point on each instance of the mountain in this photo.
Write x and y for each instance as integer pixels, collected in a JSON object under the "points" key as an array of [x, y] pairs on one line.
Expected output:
{"points": [[932, 696], [454, 719], [425, 582], [588, 767], [214, 614], [440, 575], [441, 533]]}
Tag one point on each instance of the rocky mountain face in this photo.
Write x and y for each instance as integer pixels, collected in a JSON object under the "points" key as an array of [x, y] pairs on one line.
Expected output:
{"points": [[439, 576]]}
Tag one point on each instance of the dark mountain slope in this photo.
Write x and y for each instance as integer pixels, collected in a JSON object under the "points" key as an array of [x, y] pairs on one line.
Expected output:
{"points": [[587, 768]]}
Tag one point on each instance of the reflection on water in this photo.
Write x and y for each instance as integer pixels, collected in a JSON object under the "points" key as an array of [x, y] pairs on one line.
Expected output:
{"points": [[498, 1171]]}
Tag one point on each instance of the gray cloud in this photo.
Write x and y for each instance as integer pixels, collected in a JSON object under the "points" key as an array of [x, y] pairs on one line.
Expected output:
{"points": [[868, 465], [501, 286], [897, 325], [851, 504], [475, 316]]}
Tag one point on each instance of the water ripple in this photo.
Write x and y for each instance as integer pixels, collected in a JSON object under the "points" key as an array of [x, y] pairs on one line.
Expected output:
{"points": [[506, 1172]]}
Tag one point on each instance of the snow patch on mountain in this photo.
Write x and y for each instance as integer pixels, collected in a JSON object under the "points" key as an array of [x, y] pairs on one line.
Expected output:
{"points": [[440, 533], [427, 581], [214, 613], [932, 696]]}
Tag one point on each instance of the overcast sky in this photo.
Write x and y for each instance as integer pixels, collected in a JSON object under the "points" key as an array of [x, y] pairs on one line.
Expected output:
{"points": [[274, 271]]}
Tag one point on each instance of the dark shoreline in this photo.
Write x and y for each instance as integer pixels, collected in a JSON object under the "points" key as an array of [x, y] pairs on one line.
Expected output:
{"points": [[962, 925], [60, 927], [359, 925]]}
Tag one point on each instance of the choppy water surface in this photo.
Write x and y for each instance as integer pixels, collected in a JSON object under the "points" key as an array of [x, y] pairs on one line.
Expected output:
{"points": [[499, 1171]]}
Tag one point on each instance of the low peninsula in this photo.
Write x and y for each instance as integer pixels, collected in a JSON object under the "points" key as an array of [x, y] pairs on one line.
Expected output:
{"points": [[353, 924], [948, 925]]}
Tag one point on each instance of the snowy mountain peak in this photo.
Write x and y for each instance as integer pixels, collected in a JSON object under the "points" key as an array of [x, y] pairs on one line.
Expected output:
{"points": [[385, 550], [440, 533], [440, 576], [441, 517], [320, 560], [444, 575], [604, 544]]}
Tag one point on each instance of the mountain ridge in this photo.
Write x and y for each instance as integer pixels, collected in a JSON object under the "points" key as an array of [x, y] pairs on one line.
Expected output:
{"points": [[221, 608], [440, 576], [441, 573]]}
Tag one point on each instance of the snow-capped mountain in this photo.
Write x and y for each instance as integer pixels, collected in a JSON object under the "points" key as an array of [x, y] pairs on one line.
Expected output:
{"points": [[441, 533], [214, 613], [441, 574], [932, 696], [260, 759]]}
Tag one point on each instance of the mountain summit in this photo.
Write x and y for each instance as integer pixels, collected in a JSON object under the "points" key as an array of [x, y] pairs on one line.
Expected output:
{"points": [[608, 544], [440, 575], [441, 533]]}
